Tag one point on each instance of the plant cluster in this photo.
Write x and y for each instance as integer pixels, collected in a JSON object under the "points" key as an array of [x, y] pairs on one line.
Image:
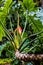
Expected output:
{"points": [[19, 31]]}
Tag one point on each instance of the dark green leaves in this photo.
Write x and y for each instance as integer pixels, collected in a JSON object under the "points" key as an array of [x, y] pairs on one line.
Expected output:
{"points": [[27, 5]]}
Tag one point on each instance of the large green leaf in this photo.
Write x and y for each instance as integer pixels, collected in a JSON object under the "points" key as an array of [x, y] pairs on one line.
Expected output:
{"points": [[27, 5], [3, 14], [36, 25]]}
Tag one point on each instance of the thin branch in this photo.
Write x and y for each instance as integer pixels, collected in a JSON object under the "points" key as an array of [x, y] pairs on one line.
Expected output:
{"points": [[24, 26], [36, 34]]}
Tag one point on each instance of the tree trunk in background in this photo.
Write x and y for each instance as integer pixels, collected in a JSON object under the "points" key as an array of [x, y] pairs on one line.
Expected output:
{"points": [[7, 64], [42, 3]]}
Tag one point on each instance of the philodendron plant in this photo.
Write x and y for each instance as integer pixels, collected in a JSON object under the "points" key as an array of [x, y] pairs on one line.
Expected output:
{"points": [[21, 40]]}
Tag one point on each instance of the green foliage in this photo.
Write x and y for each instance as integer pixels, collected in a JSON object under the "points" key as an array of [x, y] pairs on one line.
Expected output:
{"points": [[3, 14], [5, 61], [27, 5], [1, 1], [15, 17], [37, 25], [1, 48]]}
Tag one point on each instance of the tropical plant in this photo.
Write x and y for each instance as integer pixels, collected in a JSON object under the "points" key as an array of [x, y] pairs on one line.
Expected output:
{"points": [[24, 34]]}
